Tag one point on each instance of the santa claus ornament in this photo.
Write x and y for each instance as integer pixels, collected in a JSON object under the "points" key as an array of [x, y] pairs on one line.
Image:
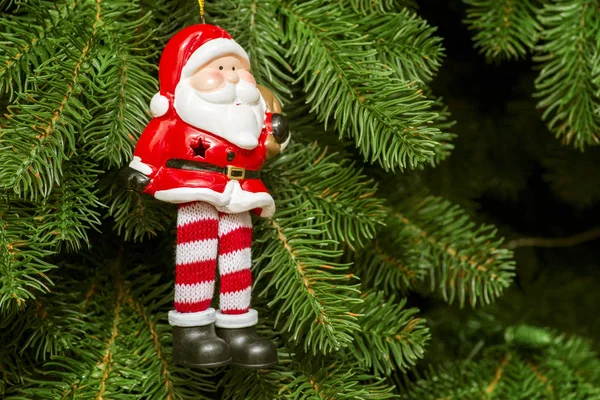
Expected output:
{"points": [[211, 133]]}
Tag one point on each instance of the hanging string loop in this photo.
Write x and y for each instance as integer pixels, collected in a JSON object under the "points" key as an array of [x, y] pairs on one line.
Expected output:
{"points": [[201, 4]]}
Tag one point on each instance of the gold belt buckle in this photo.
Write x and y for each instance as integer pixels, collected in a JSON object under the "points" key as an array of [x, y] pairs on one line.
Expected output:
{"points": [[236, 173]]}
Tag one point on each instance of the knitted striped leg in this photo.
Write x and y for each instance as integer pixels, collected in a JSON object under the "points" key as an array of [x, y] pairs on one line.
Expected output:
{"points": [[235, 238], [196, 256]]}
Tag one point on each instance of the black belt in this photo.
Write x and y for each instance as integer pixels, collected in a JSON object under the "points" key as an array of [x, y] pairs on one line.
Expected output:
{"points": [[235, 173]]}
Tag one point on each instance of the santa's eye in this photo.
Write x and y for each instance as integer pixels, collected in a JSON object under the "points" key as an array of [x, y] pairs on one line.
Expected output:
{"points": [[233, 68], [221, 68]]}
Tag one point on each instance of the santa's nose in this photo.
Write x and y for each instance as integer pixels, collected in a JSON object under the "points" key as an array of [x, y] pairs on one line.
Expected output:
{"points": [[231, 76]]}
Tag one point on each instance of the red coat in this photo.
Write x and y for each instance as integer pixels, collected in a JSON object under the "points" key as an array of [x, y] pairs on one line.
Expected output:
{"points": [[169, 137]]}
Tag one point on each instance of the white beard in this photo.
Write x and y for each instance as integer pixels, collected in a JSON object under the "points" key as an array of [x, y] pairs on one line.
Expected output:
{"points": [[236, 112]]}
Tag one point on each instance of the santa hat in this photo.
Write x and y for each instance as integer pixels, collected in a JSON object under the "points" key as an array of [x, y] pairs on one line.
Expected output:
{"points": [[187, 51]]}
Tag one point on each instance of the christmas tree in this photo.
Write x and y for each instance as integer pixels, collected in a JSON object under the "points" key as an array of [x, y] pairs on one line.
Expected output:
{"points": [[384, 272]]}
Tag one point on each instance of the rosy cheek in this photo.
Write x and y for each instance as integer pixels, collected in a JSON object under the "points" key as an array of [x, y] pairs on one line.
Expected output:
{"points": [[247, 76], [206, 80]]}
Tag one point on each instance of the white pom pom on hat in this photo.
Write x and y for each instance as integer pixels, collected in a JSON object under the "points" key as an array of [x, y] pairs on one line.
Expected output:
{"points": [[159, 105]]}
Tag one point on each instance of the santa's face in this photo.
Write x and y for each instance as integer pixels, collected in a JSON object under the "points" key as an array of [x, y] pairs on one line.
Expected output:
{"points": [[214, 75], [221, 97]]}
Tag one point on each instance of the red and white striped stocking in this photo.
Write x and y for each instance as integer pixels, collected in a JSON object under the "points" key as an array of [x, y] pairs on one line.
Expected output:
{"points": [[202, 235], [196, 256], [235, 238]]}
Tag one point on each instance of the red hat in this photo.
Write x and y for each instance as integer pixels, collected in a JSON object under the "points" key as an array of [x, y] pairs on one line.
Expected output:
{"points": [[188, 50]]}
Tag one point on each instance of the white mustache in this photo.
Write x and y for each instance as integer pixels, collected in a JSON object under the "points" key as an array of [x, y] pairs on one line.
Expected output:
{"points": [[228, 112], [243, 92]]}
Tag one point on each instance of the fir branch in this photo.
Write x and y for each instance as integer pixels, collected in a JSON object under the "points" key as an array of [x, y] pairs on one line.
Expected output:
{"points": [[108, 361], [324, 379], [568, 241], [241, 384], [384, 264], [391, 335], [542, 378], [152, 327], [27, 40], [444, 123], [464, 262], [388, 120], [22, 258], [123, 87], [166, 18], [43, 125], [72, 207], [255, 25], [579, 356], [380, 6], [137, 216], [497, 375], [406, 44], [342, 193], [8, 5], [567, 369], [504, 29], [568, 84], [48, 327], [312, 291]]}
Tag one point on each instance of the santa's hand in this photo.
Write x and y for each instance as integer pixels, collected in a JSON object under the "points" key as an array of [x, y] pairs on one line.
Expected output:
{"points": [[132, 179], [281, 131]]}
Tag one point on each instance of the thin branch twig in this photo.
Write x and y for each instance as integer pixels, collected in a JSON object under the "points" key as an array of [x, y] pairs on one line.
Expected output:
{"points": [[568, 241]]}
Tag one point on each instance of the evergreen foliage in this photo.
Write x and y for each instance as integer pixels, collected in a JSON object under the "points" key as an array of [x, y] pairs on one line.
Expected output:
{"points": [[430, 239], [511, 373], [564, 36], [504, 29], [85, 266], [568, 83], [387, 119], [400, 344], [23, 257], [345, 196], [302, 273]]}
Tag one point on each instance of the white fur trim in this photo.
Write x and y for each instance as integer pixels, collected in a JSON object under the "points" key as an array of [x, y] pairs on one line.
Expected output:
{"points": [[201, 318], [138, 165], [209, 51], [233, 321], [159, 105], [233, 200]]}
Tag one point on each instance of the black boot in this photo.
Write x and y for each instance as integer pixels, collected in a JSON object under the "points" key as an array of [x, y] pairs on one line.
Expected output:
{"points": [[199, 346], [248, 349]]}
